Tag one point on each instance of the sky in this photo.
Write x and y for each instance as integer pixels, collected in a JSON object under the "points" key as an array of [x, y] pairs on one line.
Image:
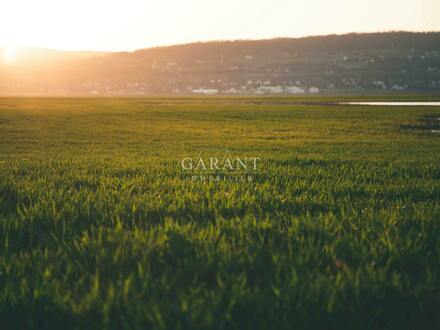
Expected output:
{"points": [[126, 25]]}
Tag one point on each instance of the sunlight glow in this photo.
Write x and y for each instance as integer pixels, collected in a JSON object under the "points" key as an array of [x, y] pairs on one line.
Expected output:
{"points": [[134, 24], [10, 54]]}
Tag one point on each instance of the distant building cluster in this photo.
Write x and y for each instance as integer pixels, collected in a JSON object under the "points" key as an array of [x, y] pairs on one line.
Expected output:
{"points": [[251, 75], [260, 90]]}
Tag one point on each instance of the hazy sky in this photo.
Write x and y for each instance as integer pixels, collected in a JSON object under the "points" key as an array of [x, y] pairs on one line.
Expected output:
{"points": [[133, 24]]}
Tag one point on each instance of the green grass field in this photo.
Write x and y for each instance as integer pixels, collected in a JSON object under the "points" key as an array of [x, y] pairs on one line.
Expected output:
{"points": [[340, 228]]}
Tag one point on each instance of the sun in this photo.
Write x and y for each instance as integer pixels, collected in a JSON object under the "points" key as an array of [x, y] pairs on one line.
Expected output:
{"points": [[9, 54]]}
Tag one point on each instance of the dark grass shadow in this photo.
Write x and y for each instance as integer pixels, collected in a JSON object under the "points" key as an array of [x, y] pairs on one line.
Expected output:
{"points": [[425, 124], [42, 313]]}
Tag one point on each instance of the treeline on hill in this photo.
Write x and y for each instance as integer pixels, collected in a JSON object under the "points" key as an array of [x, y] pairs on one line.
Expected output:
{"points": [[353, 62]]}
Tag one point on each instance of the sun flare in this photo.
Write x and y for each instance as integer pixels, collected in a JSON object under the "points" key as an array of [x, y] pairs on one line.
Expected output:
{"points": [[10, 54]]}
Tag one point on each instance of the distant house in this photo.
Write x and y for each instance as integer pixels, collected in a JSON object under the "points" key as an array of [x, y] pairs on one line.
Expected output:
{"points": [[294, 90], [210, 91], [398, 87], [270, 90], [313, 90], [379, 83], [231, 91]]}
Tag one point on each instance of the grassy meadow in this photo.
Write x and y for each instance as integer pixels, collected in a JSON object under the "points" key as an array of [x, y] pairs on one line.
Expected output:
{"points": [[340, 228]]}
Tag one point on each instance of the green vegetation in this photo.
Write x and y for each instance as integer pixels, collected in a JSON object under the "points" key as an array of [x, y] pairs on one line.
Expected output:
{"points": [[339, 230]]}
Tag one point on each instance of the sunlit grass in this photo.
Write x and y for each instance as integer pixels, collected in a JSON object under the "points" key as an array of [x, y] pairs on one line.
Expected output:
{"points": [[339, 230]]}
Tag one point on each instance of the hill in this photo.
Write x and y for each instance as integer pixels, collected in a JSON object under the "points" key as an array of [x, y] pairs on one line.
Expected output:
{"points": [[351, 63]]}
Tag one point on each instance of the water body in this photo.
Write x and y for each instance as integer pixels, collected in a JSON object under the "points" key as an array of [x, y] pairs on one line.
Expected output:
{"points": [[431, 104]]}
